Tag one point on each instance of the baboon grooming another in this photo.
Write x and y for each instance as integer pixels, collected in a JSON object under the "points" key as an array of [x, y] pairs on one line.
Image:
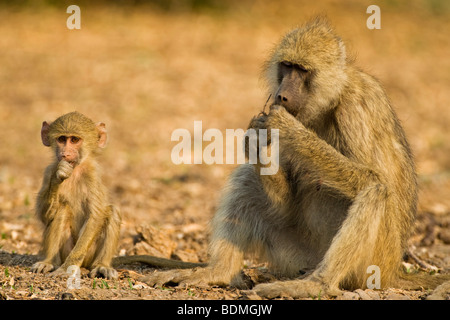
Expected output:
{"points": [[345, 196], [80, 227]]}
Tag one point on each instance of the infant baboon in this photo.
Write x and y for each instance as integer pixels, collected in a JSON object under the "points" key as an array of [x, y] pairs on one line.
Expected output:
{"points": [[345, 196], [80, 227]]}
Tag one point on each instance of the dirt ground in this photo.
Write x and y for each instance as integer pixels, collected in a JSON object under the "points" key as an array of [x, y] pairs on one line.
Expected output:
{"points": [[148, 70]]}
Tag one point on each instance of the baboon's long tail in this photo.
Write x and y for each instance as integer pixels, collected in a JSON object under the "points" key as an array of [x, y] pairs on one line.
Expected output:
{"points": [[418, 281], [156, 262]]}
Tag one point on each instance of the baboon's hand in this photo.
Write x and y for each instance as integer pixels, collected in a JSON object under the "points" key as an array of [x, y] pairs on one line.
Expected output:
{"points": [[64, 171], [103, 272], [61, 272], [42, 267], [258, 122], [280, 118]]}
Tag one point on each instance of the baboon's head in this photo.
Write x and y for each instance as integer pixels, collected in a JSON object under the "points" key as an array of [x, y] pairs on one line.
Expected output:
{"points": [[306, 71], [74, 137]]}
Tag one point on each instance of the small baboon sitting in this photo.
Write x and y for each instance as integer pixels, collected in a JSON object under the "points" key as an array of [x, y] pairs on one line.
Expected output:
{"points": [[81, 228]]}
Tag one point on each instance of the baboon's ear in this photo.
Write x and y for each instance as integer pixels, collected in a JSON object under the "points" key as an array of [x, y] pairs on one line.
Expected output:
{"points": [[44, 134], [102, 134]]}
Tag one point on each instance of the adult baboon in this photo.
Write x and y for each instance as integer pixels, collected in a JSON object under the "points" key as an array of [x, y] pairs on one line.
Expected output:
{"points": [[345, 196]]}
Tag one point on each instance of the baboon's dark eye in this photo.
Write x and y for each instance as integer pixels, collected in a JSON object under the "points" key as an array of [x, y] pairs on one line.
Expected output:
{"points": [[302, 68], [74, 139], [62, 139], [286, 64]]}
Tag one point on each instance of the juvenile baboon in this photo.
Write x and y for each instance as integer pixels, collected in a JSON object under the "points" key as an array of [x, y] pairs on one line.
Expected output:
{"points": [[80, 227], [345, 196]]}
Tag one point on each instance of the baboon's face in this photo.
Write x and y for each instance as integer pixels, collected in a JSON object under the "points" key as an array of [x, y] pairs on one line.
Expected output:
{"points": [[293, 88], [74, 137], [307, 73], [69, 148]]}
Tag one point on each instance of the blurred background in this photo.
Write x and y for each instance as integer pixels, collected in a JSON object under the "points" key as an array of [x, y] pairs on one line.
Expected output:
{"points": [[146, 68]]}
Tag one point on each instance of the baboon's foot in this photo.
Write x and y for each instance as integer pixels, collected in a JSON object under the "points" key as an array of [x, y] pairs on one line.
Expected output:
{"points": [[42, 267], [198, 277], [294, 289], [103, 272]]}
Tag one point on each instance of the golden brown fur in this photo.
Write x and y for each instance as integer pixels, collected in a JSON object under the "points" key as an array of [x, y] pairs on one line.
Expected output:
{"points": [[80, 227], [345, 196]]}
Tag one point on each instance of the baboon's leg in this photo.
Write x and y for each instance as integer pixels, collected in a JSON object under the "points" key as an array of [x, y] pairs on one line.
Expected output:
{"points": [[54, 240], [240, 225], [88, 235], [106, 247], [357, 245], [354, 248]]}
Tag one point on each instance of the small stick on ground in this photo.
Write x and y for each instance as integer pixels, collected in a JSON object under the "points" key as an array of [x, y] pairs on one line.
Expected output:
{"points": [[420, 262]]}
